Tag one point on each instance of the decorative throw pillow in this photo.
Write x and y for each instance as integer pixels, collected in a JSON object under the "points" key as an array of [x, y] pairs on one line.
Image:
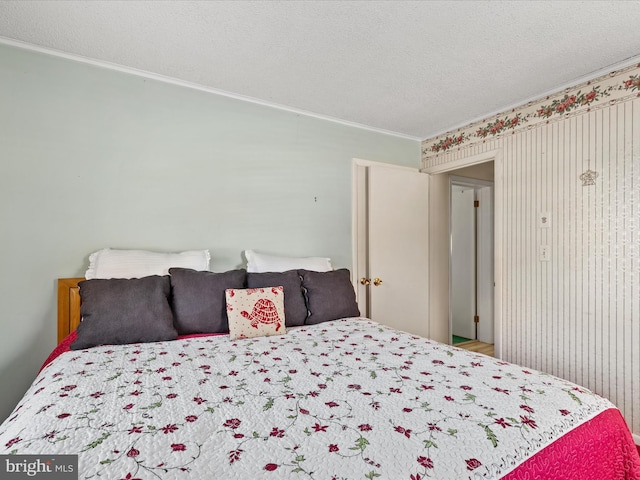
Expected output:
{"points": [[198, 299], [256, 312], [259, 263], [109, 263], [119, 311], [295, 307], [330, 295]]}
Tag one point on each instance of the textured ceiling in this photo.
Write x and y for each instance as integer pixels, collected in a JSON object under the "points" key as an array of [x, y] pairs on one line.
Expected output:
{"points": [[417, 68]]}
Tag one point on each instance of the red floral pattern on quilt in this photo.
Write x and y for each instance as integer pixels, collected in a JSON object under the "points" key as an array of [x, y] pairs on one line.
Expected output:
{"points": [[343, 399]]}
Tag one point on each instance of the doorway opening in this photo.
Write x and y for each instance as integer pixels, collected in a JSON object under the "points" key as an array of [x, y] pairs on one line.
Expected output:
{"points": [[484, 166], [471, 258]]}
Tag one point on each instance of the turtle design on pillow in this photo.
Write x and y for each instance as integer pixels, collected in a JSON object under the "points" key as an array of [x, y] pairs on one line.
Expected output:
{"points": [[256, 312], [264, 311]]}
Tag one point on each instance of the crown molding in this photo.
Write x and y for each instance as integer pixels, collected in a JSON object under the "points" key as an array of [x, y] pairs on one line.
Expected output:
{"points": [[194, 86], [549, 93], [614, 86]]}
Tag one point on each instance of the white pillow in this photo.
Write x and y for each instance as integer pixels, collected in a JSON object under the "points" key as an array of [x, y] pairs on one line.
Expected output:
{"points": [[260, 263], [108, 263]]}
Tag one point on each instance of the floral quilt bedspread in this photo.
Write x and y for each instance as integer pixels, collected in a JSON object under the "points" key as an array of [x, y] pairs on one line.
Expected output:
{"points": [[348, 399]]}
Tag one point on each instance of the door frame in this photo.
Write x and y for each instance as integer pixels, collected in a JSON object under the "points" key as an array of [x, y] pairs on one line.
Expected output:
{"points": [[475, 184], [359, 227], [498, 225]]}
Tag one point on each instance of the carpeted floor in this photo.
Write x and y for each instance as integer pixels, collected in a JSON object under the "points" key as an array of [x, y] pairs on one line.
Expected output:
{"points": [[457, 339]]}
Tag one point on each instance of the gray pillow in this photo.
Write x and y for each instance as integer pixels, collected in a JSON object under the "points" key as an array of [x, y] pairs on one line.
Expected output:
{"points": [[118, 311], [295, 308], [199, 304], [330, 295]]}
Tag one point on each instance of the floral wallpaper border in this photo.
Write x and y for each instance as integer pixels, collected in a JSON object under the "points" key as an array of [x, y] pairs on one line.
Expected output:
{"points": [[617, 86]]}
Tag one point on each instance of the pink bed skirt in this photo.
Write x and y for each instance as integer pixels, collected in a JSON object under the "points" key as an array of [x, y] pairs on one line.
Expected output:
{"points": [[599, 449]]}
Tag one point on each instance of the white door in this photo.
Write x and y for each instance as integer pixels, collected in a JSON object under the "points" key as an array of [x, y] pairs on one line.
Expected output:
{"points": [[471, 260], [485, 264], [393, 218], [463, 273]]}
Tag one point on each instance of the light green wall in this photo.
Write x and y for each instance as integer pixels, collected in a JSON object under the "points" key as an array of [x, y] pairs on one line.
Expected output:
{"points": [[93, 158]]}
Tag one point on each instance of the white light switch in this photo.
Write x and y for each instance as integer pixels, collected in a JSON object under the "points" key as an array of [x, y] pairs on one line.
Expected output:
{"points": [[544, 220], [544, 254]]}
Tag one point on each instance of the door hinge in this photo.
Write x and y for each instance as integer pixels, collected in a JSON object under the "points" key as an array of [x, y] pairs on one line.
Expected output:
{"points": [[476, 319], [476, 203]]}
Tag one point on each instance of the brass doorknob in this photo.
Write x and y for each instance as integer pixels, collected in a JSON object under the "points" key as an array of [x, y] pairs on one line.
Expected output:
{"points": [[365, 281], [377, 281]]}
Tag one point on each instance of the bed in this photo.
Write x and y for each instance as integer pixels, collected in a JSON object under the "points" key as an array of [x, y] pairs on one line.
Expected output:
{"points": [[346, 398]]}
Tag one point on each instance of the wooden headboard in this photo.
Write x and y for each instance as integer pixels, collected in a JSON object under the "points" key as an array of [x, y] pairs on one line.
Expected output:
{"points": [[68, 306]]}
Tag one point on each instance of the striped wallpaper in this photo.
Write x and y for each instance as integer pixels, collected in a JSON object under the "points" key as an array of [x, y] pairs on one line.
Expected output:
{"points": [[577, 315]]}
